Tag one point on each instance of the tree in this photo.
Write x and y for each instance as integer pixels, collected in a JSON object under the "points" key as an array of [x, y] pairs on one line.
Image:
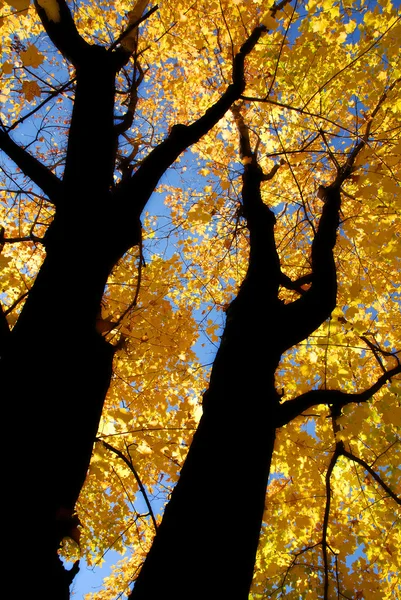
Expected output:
{"points": [[315, 314]]}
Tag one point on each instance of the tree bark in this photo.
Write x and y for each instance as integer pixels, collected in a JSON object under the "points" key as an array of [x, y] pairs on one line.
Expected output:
{"points": [[55, 368], [206, 544]]}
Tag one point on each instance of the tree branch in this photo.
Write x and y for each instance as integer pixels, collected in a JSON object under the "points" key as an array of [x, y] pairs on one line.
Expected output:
{"points": [[346, 169], [32, 168], [306, 314], [245, 149], [293, 408], [128, 118], [377, 351], [60, 27], [233, 92], [145, 179], [131, 467], [297, 284], [26, 238], [50, 96], [263, 271], [15, 303], [131, 27], [330, 469], [373, 473]]}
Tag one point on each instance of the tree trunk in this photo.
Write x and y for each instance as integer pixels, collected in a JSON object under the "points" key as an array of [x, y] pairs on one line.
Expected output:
{"points": [[55, 375], [206, 544]]}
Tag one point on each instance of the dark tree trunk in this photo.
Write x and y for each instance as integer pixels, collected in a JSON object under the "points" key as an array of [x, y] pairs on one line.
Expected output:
{"points": [[206, 544], [55, 368], [55, 375]]}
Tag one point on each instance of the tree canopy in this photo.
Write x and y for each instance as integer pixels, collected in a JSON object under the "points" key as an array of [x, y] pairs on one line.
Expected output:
{"points": [[270, 132]]}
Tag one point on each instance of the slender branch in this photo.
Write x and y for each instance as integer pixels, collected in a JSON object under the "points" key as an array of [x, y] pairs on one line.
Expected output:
{"points": [[131, 467], [330, 153], [32, 168], [294, 562], [128, 118], [373, 473], [283, 43], [26, 238], [16, 302], [352, 62], [296, 109], [330, 469], [51, 95], [377, 350], [293, 408]]}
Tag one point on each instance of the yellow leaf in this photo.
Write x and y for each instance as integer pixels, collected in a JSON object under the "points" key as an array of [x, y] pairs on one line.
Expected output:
{"points": [[354, 289], [31, 57], [31, 90], [350, 26], [7, 68], [4, 260], [121, 414], [313, 357], [196, 213], [270, 22], [143, 448]]}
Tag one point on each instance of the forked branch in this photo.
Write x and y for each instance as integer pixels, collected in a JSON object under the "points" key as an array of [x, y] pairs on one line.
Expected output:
{"points": [[182, 136]]}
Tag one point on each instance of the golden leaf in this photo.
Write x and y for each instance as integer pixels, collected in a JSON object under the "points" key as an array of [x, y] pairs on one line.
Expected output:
{"points": [[31, 57], [31, 90]]}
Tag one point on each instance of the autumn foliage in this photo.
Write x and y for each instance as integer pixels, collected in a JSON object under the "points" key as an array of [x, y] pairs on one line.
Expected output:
{"points": [[200, 232]]}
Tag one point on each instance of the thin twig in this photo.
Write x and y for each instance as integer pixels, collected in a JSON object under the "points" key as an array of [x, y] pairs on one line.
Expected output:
{"points": [[373, 473]]}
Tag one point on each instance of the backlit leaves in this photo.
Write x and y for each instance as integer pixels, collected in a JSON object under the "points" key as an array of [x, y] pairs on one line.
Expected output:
{"points": [[313, 85]]}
